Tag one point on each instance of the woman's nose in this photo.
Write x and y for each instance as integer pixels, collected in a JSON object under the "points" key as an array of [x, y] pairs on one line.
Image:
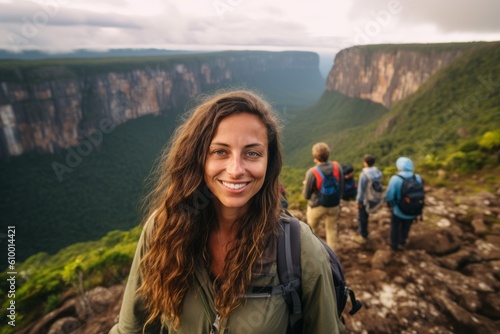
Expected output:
{"points": [[235, 167]]}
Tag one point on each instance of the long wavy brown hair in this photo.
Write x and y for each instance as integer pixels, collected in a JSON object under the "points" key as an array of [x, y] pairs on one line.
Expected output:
{"points": [[184, 215]]}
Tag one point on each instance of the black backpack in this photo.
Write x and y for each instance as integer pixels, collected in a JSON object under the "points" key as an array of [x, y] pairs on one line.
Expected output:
{"points": [[329, 186], [412, 197], [289, 271], [350, 186], [350, 189]]}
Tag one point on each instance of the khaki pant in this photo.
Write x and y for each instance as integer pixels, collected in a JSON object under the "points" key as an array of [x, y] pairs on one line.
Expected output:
{"points": [[327, 216]]}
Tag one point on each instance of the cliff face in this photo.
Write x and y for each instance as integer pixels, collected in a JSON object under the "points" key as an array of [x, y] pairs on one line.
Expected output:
{"points": [[385, 75], [68, 102]]}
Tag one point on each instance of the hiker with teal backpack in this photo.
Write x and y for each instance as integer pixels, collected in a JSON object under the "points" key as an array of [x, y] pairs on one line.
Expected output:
{"points": [[405, 196], [323, 187], [369, 198]]}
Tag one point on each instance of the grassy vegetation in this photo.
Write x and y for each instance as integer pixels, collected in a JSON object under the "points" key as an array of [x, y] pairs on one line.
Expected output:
{"points": [[43, 281], [333, 118], [420, 47]]}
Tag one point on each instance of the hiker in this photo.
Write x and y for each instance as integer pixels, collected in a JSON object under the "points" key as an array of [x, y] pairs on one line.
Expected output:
{"points": [[350, 185], [369, 198], [401, 222], [284, 201], [207, 251], [320, 208]]}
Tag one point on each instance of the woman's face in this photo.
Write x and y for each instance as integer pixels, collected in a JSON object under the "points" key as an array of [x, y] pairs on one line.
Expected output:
{"points": [[237, 161]]}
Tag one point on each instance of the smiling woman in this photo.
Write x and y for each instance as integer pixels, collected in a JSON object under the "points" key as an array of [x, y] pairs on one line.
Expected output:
{"points": [[211, 232], [236, 164]]}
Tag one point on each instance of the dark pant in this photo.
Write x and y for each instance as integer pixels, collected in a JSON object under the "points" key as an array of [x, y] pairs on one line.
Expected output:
{"points": [[400, 228], [363, 221]]}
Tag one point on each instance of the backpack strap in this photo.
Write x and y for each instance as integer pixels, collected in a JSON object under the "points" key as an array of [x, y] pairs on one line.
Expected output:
{"points": [[414, 176], [318, 174], [336, 172], [401, 188], [289, 271], [339, 174]]}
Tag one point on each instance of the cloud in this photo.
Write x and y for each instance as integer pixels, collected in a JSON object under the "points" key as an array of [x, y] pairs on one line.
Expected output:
{"points": [[60, 16], [446, 15], [459, 16], [240, 24]]}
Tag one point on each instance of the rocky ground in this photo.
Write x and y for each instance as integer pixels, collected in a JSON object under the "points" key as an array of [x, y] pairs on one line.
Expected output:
{"points": [[445, 281]]}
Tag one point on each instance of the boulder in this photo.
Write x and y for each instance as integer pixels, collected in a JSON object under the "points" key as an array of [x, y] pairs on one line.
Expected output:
{"points": [[479, 226], [459, 259], [65, 325], [438, 242], [491, 306], [487, 251], [467, 322], [67, 310], [380, 259]]}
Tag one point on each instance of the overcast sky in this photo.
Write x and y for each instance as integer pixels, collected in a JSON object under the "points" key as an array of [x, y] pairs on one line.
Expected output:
{"points": [[317, 25]]}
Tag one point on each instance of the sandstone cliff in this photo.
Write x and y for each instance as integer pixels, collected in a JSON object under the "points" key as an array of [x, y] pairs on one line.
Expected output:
{"points": [[386, 74], [51, 105]]}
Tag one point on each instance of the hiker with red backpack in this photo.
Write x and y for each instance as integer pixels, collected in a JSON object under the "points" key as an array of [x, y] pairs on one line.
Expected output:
{"points": [[369, 198], [405, 196], [323, 186]]}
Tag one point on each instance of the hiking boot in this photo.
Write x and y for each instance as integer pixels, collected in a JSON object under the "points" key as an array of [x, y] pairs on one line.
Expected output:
{"points": [[359, 239], [397, 249]]}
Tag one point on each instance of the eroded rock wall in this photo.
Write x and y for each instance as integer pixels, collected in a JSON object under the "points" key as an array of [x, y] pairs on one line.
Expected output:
{"points": [[385, 75], [66, 102]]}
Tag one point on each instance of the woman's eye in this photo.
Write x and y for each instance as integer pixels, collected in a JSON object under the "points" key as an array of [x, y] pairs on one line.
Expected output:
{"points": [[219, 152], [254, 154]]}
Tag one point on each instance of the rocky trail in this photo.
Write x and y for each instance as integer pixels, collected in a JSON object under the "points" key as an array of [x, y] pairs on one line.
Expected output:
{"points": [[447, 280]]}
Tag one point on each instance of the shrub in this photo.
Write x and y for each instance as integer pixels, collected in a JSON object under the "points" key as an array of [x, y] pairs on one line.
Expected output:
{"points": [[432, 162], [465, 162], [469, 146], [490, 140]]}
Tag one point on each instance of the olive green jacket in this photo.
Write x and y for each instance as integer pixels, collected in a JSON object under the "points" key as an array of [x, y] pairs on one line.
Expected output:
{"points": [[259, 313]]}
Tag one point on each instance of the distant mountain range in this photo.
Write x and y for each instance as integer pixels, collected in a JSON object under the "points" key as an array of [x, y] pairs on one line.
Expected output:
{"points": [[325, 64], [83, 53]]}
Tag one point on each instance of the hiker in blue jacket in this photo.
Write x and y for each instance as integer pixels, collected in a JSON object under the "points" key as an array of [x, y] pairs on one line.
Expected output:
{"points": [[369, 172], [400, 222]]}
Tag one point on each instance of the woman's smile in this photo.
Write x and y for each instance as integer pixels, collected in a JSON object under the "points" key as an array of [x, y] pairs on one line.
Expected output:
{"points": [[234, 186]]}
